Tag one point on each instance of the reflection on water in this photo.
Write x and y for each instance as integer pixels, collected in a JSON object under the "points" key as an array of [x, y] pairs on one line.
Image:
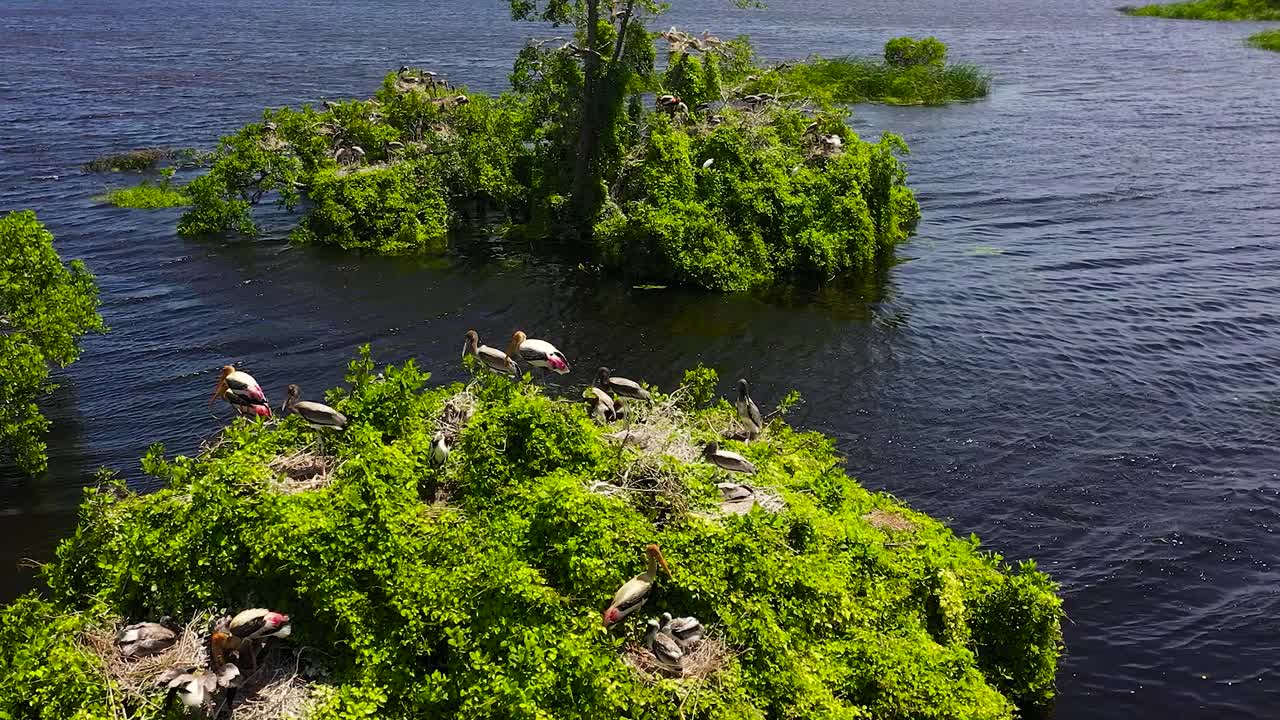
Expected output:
{"points": [[1075, 360]]}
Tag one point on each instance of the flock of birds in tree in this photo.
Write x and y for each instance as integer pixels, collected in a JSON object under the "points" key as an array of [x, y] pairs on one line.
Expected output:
{"points": [[233, 640]]}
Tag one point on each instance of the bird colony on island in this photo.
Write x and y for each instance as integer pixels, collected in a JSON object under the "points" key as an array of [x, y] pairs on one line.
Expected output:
{"points": [[233, 641]]}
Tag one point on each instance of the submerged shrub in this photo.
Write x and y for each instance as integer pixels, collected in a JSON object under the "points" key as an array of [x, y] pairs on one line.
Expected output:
{"points": [[1210, 10], [1265, 40], [910, 52], [388, 209], [842, 604]]}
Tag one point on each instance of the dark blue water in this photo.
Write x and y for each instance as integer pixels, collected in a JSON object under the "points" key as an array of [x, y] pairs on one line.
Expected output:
{"points": [[1078, 360]]}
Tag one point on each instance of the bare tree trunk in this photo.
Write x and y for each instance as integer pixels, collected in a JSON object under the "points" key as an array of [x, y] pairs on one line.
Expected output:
{"points": [[584, 186]]}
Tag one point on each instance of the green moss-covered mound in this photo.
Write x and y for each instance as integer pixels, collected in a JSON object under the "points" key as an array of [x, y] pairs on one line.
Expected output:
{"points": [[1265, 40], [1211, 10], [913, 72], [148, 196], [475, 590]]}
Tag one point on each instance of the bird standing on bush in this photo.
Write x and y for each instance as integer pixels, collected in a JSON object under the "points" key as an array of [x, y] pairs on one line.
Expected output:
{"points": [[538, 353], [242, 392], [620, 385], [632, 595], [727, 459], [493, 358], [319, 416], [748, 411]]}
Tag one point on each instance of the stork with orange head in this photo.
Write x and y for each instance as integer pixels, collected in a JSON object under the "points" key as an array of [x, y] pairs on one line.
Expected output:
{"points": [[633, 594], [242, 392]]}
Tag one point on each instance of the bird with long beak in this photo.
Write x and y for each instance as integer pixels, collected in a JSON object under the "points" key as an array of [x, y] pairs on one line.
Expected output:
{"points": [[240, 633], [748, 412], [727, 459], [620, 385], [663, 645], [319, 416], [538, 353], [602, 406], [493, 358], [633, 593], [241, 391], [147, 638], [686, 630]]}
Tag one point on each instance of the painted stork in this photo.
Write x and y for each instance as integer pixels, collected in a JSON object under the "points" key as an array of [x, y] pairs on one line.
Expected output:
{"points": [[663, 645], [727, 459], [242, 392], [620, 385], [147, 638], [603, 408], [538, 353], [318, 415], [239, 634], [632, 595], [686, 630], [195, 685], [748, 412], [493, 358]]}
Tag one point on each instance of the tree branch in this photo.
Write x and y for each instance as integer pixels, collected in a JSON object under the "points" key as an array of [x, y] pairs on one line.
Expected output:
{"points": [[622, 32]]}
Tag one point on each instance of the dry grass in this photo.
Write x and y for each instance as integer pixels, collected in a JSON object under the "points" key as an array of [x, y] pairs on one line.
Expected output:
{"points": [[302, 470], [275, 691], [886, 520], [707, 658]]}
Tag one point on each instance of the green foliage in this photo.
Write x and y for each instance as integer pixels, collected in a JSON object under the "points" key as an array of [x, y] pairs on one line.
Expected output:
{"points": [[855, 80], [1265, 40], [772, 203], [489, 606], [148, 195], [910, 52], [47, 675], [1211, 10], [45, 307], [388, 209]]}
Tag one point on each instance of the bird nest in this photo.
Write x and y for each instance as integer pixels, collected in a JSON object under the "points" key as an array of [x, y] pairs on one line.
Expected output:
{"points": [[302, 470], [658, 429], [648, 482], [887, 520], [276, 690], [707, 658]]}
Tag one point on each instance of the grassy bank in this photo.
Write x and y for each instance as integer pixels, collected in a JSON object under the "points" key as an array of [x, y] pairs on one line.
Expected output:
{"points": [[148, 196], [474, 589], [1211, 10], [855, 80], [1266, 40]]}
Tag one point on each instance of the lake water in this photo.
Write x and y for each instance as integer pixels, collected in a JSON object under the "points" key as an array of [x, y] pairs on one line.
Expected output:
{"points": [[1078, 359]]}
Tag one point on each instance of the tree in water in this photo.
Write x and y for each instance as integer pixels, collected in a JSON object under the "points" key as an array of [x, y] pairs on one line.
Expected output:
{"points": [[45, 307]]}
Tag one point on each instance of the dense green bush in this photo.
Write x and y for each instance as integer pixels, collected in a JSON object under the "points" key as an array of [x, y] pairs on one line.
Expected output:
{"points": [[910, 52], [390, 209], [45, 307], [488, 606], [1211, 10], [150, 195]]}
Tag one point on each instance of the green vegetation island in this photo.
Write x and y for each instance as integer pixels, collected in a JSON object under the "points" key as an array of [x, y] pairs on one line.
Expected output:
{"points": [[1210, 10], [46, 306], [464, 552], [718, 171], [1265, 40]]}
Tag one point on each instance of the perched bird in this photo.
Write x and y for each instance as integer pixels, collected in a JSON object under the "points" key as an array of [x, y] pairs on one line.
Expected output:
{"points": [[686, 630], [195, 685], [602, 406], [240, 633], [538, 353], [663, 645], [242, 391], [620, 408], [735, 498], [147, 638], [440, 447], [493, 358], [748, 412], [727, 459], [632, 595], [620, 385], [317, 415]]}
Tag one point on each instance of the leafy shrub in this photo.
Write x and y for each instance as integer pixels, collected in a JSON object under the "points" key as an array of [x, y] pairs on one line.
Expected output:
{"points": [[45, 307], [1266, 40], [910, 52], [148, 195], [488, 606], [389, 209]]}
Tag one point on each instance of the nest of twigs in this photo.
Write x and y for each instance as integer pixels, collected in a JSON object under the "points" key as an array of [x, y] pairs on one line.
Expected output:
{"points": [[302, 470], [658, 429], [887, 520], [274, 691], [705, 659], [648, 482]]}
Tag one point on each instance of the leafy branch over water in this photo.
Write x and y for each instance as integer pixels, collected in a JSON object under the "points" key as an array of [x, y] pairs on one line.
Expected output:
{"points": [[1211, 10]]}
